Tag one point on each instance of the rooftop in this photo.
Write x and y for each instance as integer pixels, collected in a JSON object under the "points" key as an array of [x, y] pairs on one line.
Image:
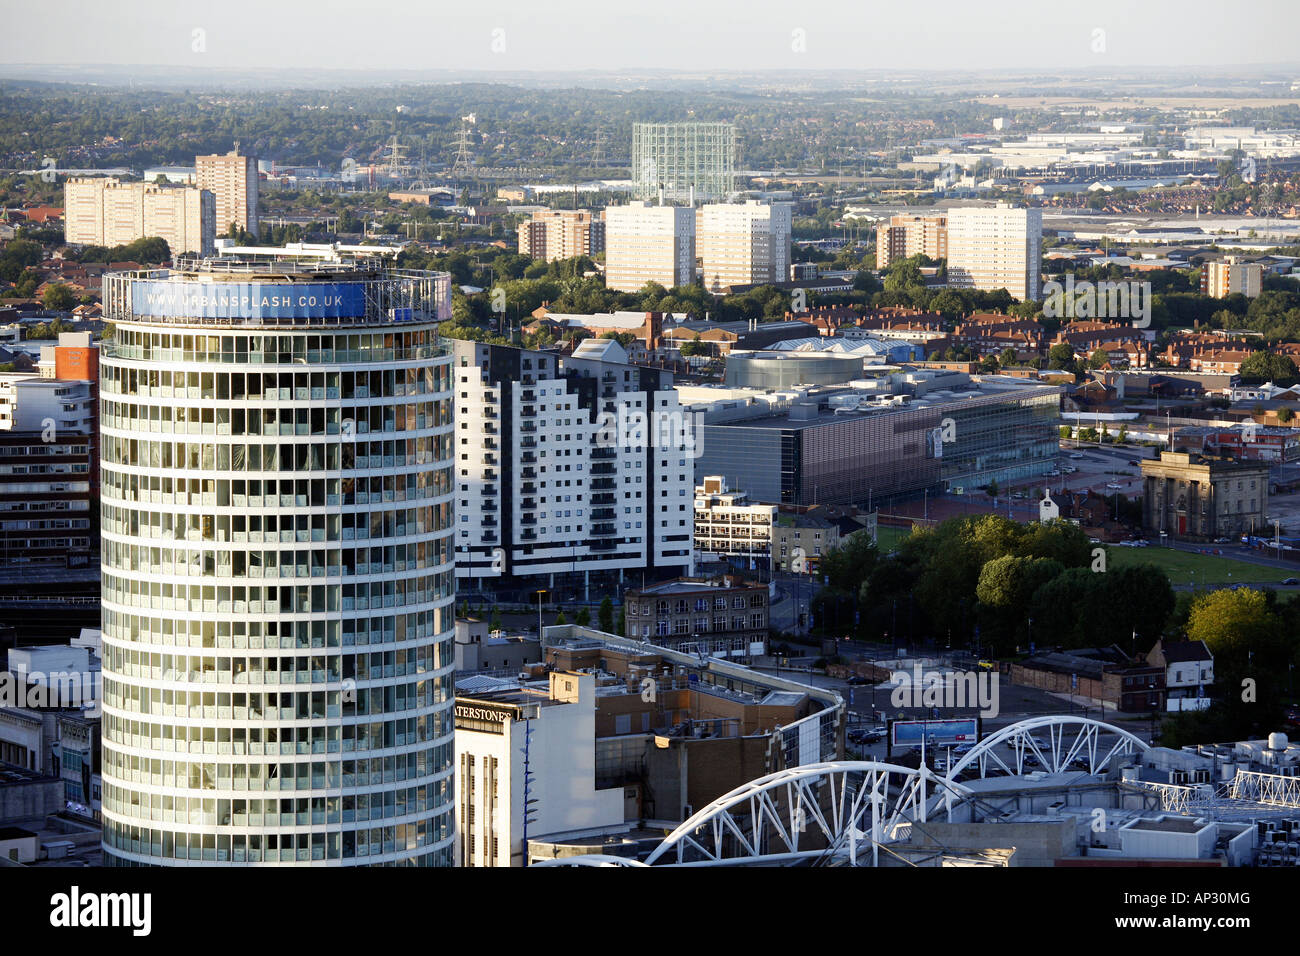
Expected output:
{"points": [[693, 585]]}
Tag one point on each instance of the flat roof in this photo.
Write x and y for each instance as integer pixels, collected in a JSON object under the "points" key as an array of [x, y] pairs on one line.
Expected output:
{"points": [[1168, 824], [687, 587]]}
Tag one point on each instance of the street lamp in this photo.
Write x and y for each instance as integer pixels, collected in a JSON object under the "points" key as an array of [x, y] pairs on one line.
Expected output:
{"points": [[539, 593]]}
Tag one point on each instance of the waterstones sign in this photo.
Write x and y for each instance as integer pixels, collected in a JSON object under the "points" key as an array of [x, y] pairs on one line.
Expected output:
{"points": [[248, 300]]}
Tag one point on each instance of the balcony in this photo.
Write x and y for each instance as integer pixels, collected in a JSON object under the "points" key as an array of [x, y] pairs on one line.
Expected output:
{"points": [[602, 468], [490, 459], [528, 458], [604, 452], [603, 544], [602, 514], [528, 536], [528, 488], [528, 443], [489, 474], [530, 473], [527, 427], [489, 506], [527, 410], [601, 483], [489, 521], [603, 498], [528, 503], [528, 520], [603, 528], [528, 395]]}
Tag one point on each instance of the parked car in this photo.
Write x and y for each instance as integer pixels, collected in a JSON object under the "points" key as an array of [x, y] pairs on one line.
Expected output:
{"points": [[1291, 580], [1114, 485], [1077, 455]]}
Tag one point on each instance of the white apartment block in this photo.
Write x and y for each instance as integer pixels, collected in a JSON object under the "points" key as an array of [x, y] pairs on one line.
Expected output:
{"points": [[728, 526], [544, 735], [743, 243], [233, 181], [645, 243], [104, 211], [555, 481], [997, 247], [30, 403]]}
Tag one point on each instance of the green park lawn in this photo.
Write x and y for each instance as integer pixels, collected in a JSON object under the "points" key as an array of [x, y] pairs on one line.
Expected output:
{"points": [[1198, 569], [1181, 566], [889, 538]]}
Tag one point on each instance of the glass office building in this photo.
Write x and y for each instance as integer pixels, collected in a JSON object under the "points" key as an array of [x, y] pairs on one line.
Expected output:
{"points": [[808, 453], [278, 585]]}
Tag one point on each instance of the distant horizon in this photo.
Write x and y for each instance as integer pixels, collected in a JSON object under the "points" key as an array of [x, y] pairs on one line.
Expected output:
{"points": [[1211, 78]]}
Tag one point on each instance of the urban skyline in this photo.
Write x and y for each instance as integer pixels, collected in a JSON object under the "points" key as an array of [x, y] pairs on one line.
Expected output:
{"points": [[619, 438]]}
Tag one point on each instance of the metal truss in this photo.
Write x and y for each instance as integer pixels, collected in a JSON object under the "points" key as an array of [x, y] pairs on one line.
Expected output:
{"points": [[1175, 798], [1072, 743], [829, 813], [1267, 788], [589, 859]]}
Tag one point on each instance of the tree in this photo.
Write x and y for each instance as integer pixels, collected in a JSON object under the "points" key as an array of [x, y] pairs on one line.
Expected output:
{"points": [[1098, 358], [582, 618], [1263, 366], [58, 298], [992, 489], [1231, 622], [561, 620], [1284, 414], [848, 565], [494, 622], [1061, 356], [1010, 582], [605, 616]]}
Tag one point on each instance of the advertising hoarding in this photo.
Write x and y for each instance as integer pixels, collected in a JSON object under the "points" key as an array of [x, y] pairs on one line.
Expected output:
{"points": [[910, 733], [248, 300]]}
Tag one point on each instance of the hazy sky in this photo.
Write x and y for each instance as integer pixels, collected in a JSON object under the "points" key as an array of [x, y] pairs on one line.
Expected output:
{"points": [[697, 35]]}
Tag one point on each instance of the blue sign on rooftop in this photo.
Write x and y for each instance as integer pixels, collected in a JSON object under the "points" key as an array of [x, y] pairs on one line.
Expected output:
{"points": [[247, 300]]}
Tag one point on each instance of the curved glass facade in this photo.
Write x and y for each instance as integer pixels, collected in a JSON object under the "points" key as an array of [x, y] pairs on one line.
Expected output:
{"points": [[278, 585]]}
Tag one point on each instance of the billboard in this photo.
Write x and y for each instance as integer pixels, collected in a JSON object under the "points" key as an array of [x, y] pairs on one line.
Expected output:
{"points": [[248, 300], [910, 733]]}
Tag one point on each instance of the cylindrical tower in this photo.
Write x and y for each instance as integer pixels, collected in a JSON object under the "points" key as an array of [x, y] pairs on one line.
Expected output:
{"points": [[278, 587]]}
